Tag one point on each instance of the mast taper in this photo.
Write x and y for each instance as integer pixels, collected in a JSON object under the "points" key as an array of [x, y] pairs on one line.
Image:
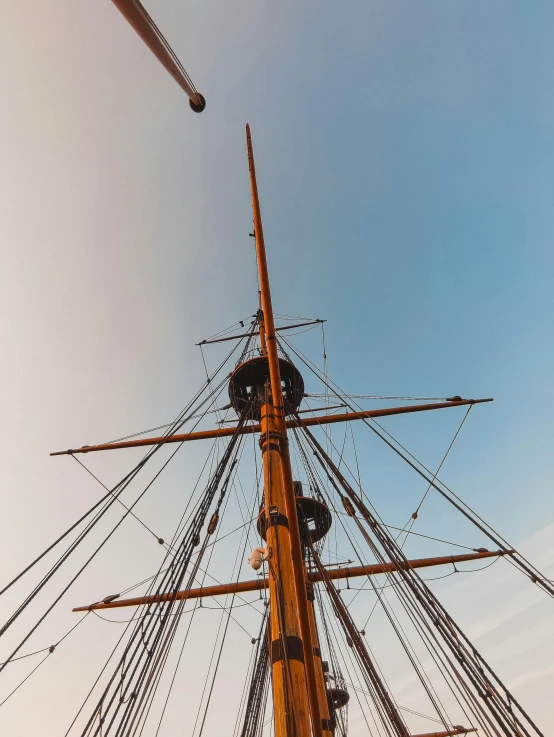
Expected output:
{"points": [[291, 641]]}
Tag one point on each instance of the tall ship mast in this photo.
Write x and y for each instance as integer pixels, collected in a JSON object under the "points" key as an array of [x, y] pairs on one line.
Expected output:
{"points": [[311, 655], [309, 531]]}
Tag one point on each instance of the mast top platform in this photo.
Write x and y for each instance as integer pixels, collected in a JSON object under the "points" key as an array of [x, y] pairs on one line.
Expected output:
{"points": [[314, 519], [250, 379]]}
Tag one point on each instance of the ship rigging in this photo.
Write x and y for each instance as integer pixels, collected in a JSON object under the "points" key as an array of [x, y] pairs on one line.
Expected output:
{"points": [[311, 656]]}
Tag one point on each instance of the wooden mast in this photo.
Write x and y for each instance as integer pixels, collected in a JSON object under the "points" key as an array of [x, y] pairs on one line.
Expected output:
{"points": [[293, 667], [303, 704]]}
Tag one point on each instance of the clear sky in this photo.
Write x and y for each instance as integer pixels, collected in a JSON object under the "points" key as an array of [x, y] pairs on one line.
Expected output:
{"points": [[405, 158]]}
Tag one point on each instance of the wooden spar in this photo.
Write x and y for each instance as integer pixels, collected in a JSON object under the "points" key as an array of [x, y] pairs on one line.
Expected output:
{"points": [[289, 615], [308, 422], [259, 584], [248, 335], [298, 412], [447, 733], [138, 18]]}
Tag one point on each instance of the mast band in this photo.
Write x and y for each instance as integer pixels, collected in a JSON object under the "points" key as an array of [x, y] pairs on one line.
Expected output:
{"points": [[293, 646], [271, 446], [277, 519]]}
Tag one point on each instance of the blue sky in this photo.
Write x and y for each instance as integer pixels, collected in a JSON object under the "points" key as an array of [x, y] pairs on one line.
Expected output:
{"points": [[404, 154]]}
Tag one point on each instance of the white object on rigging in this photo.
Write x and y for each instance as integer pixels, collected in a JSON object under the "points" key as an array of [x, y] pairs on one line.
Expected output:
{"points": [[259, 555]]}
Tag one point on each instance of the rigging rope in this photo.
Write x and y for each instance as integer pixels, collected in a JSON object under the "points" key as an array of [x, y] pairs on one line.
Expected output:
{"points": [[400, 635], [108, 500], [51, 649], [136, 672], [259, 684], [239, 557], [516, 558], [423, 678], [497, 698], [383, 701], [199, 605], [414, 516]]}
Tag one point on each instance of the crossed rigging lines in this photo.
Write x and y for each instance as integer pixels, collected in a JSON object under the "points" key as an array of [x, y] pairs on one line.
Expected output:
{"points": [[127, 700]]}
